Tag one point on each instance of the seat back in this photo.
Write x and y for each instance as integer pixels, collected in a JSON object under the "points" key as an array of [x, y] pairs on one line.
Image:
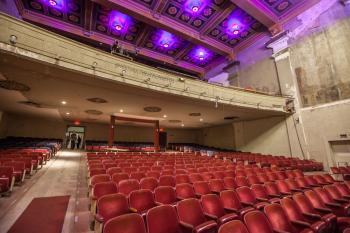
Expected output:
{"points": [[303, 203], [257, 222], [104, 188], [190, 211], [230, 183], [333, 191], [212, 205], [260, 191], [154, 174], [117, 177], [184, 191], [166, 180], [230, 200], [149, 183], [342, 188], [245, 194], [323, 194], [141, 200], [253, 180], [130, 223], [99, 178], [314, 199], [201, 187], [195, 177], [282, 186], [183, 178], [216, 185], [127, 186], [278, 218], [162, 219], [165, 195], [241, 181], [291, 209], [137, 175], [112, 205]]}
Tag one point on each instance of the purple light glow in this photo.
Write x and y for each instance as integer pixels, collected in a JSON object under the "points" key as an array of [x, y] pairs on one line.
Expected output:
{"points": [[234, 26], [59, 4], [194, 6], [200, 53], [119, 21], [166, 39]]}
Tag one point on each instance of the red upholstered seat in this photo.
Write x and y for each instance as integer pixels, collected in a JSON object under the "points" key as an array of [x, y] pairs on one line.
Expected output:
{"points": [[279, 220], [137, 175], [19, 169], [230, 183], [103, 188], [149, 183], [163, 219], [141, 200], [242, 181], [247, 198], [110, 206], [216, 185], [184, 191], [154, 174], [165, 195], [192, 218], [117, 177], [214, 209], [128, 223], [167, 180], [257, 222], [298, 220], [342, 207], [195, 177], [6, 178], [261, 194], [201, 188], [231, 202], [234, 226], [99, 178], [252, 179], [182, 178], [127, 186]]}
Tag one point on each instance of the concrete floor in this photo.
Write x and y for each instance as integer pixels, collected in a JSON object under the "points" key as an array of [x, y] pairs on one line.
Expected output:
{"points": [[63, 175]]}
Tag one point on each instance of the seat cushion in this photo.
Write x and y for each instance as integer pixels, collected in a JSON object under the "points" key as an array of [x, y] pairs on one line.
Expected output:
{"points": [[206, 227]]}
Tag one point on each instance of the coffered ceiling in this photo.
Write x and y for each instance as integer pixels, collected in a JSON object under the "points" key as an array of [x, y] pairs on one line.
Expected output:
{"points": [[191, 35]]}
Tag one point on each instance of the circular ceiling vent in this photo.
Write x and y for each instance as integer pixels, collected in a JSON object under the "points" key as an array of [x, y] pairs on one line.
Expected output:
{"points": [[230, 118], [195, 114], [152, 109], [97, 100], [175, 121], [93, 112], [13, 85], [30, 103]]}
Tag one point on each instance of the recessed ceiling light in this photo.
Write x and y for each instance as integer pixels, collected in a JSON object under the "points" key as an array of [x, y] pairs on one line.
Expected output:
{"points": [[182, 125], [67, 113], [53, 2], [201, 58], [63, 102], [235, 32], [201, 53], [165, 45], [165, 116], [201, 119], [121, 110], [195, 8], [118, 27], [235, 26]]}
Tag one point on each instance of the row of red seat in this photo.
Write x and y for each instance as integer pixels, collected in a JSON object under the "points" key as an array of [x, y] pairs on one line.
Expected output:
{"points": [[15, 164], [344, 171], [306, 211]]}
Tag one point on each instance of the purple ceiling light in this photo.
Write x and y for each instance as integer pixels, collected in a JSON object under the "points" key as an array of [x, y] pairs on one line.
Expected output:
{"points": [[166, 39], [56, 3], [195, 6], [119, 21], [201, 53], [234, 26]]}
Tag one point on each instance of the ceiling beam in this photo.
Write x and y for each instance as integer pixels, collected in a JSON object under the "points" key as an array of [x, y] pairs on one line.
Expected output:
{"points": [[105, 39], [142, 13], [217, 19], [258, 10], [183, 51], [143, 35], [89, 6]]}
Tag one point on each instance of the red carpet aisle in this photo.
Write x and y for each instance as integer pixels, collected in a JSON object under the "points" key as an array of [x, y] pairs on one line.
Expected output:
{"points": [[44, 215]]}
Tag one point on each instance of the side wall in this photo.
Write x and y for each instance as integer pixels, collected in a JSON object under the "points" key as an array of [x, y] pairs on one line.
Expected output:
{"points": [[266, 136], [222, 136]]}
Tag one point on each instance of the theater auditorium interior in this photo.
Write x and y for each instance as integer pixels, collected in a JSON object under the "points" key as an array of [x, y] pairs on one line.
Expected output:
{"points": [[174, 116]]}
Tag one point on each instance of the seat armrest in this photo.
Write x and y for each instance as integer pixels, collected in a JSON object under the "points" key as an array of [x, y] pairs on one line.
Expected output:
{"points": [[210, 216], [341, 200], [247, 203], [286, 193], [158, 203], [133, 210], [99, 218], [262, 199], [228, 209], [275, 195], [280, 231], [204, 227], [314, 216], [186, 225], [335, 205], [300, 223], [323, 210]]}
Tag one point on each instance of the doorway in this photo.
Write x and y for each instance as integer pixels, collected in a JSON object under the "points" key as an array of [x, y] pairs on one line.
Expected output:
{"points": [[75, 137], [341, 152]]}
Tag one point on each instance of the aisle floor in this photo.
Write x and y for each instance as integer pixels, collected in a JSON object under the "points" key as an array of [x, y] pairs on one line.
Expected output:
{"points": [[65, 174]]}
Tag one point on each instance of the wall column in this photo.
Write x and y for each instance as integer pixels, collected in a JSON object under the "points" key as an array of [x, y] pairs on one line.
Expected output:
{"points": [[156, 136], [111, 131]]}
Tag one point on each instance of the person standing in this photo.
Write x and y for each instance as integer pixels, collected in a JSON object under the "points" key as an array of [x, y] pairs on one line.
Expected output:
{"points": [[78, 142]]}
